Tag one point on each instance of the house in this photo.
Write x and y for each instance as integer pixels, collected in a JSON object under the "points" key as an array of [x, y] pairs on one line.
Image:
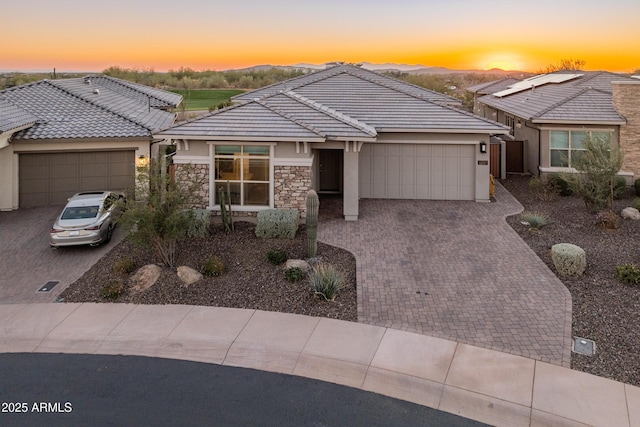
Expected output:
{"points": [[550, 114], [342, 130], [59, 137]]}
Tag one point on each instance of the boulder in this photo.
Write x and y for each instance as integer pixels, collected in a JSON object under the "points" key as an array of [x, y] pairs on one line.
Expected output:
{"points": [[569, 260], [188, 275], [144, 278], [304, 265], [631, 213]]}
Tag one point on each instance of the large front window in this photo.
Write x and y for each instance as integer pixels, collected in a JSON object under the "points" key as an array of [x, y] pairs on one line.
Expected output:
{"points": [[247, 169], [567, 145]]}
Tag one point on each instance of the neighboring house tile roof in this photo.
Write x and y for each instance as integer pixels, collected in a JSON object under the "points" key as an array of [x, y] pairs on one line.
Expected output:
{"points": [[492, 86], [585, 99], [13, 117], [341, 105], [73, 108]]}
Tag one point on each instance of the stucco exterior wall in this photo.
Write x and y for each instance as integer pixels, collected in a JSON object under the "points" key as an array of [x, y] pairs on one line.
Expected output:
{"points": [[626, 99]]}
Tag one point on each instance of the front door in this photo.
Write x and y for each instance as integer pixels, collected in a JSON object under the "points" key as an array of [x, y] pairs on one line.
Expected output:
{"points": [[330, 171]]}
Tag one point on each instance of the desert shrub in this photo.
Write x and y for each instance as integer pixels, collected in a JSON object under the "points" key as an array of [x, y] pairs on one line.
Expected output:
{"points": [[619, 187], [628, 273], [294, 274], [198, 224], [561, 184], [326, 280], [535, 220], [113, 289], [636, 185], [636, 203], [124, 266], [214, 266], [277, 256], [569, 260], [545, 191], [277, 223], [608, 220]]}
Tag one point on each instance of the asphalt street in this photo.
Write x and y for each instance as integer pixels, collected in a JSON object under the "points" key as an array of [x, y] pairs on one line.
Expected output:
{"points": [[38, 389]]}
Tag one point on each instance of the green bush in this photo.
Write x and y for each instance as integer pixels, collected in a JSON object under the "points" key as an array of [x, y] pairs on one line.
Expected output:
{"points": [[561, 184], [636, 185], [214, 266], [277, 256], [628, 273], [619, 187], [198, 224], [569, 260], [294, 274], [124, 266], [277, 223], [113, 289], [326, 280], [535, 220], [636, 203]]}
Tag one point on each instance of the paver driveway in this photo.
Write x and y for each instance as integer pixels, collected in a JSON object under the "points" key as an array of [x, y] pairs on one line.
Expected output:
{"points": [[27, 262], [455, 270]]}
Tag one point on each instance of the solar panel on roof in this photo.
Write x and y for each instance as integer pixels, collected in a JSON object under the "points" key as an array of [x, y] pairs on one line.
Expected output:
{"points": [[537, 81]]}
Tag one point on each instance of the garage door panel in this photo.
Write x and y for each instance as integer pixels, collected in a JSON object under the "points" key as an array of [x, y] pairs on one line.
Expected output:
{"points": [[51, 178]]}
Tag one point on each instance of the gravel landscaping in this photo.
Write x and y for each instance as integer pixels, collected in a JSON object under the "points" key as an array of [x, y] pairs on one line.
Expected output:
{"points": [[250, 281], [605, 310]]}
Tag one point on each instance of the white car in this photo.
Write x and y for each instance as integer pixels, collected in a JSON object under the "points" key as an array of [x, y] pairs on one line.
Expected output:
{"points": [[87, 219]]}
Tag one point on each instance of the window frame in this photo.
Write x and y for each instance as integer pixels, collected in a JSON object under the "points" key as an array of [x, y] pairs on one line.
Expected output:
{"points": [[240, 158], [570, 149]]}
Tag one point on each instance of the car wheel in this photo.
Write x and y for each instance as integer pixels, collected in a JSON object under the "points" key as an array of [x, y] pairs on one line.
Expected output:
{"points": [[107, 238]]}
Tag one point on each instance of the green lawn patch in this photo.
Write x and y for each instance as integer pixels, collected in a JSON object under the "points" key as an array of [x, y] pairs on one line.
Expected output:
{"points": [[202, 99]]}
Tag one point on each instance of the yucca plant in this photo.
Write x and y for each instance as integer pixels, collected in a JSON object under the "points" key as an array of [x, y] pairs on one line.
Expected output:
{"points": [[326, 280], [534, 220]]}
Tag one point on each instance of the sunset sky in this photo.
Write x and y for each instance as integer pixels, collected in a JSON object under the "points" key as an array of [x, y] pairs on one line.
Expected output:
{"points": [[74, 35]]}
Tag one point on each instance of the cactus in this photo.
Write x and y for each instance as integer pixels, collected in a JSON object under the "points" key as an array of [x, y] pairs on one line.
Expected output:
{"points": [[229, 199], [312, 223], [223, 209]]}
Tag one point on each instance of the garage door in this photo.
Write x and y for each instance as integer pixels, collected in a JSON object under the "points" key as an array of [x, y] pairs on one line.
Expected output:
{"points": [[410, 171], [51, 178]]}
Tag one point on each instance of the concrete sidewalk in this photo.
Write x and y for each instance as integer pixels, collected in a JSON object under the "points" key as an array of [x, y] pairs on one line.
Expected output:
{"points": [[481, 384]]}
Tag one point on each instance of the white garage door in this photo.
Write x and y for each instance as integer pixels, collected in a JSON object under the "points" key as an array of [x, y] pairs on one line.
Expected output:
{"points": [[410, 171]]}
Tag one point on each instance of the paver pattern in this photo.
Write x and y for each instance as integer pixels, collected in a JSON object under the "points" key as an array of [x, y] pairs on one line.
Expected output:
{"points": [[27, 261], [455, 270]]}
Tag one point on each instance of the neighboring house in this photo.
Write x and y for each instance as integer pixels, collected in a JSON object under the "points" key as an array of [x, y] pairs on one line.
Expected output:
{"points": [[59, 137], [549, 116], [341, 130]]}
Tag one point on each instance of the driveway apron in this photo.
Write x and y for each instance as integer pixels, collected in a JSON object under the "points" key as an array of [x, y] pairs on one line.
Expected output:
{"points": [[455, 270], [27, 262]]}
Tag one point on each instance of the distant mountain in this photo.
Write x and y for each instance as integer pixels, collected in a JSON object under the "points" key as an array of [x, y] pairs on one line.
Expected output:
{"points": [[383, 68]]}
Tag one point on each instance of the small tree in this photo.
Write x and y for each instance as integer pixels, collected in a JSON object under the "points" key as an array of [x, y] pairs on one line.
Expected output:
{"points": [[161, 213], [597, 167], [564, 65]]}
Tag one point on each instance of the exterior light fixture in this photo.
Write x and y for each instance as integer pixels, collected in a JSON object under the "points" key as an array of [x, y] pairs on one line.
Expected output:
{"points": [[142, 161], [483, 147]]}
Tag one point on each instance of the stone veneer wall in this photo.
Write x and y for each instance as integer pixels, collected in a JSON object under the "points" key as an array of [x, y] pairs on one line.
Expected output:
{"points": [[626, 100], [291, 184], [200, 175]]}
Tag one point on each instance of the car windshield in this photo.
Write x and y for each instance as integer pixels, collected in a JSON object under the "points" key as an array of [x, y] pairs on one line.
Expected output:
{"points": [[80, 212]]}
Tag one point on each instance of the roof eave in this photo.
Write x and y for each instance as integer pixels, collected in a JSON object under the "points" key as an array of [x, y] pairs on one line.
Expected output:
{"points": [[447, 130], [239, 138], [579, 122]]}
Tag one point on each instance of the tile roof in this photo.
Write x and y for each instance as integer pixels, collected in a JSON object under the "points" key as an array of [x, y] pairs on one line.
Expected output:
{"points": [[584, 99], [13, 117], [340, 105], [75, 108], [492, 86], [354, 71]]}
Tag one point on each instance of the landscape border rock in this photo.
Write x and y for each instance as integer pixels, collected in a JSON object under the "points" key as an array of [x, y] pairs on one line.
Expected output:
{"points": [[188, 275], [144, 278], [631, 213]]}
